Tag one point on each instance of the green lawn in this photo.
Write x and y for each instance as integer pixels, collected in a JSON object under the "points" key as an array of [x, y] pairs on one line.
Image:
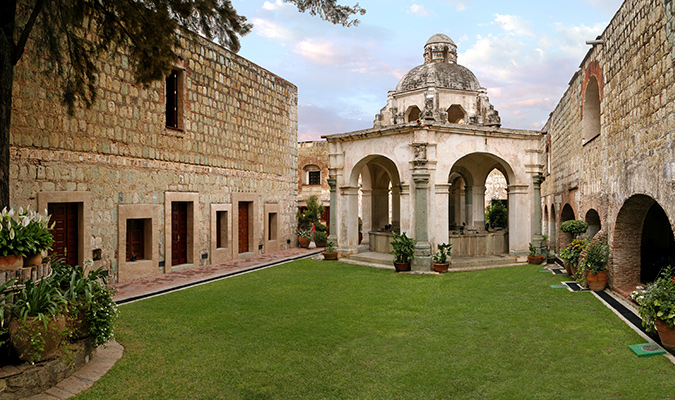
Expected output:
{"points": [[325, 330]]}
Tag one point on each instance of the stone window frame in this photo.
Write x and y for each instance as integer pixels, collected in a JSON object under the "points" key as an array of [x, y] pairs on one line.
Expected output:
{"points": [[409, 113], [272, 238], [591, 103], [193, 229], [129, 270], [83, 199], [221, 254], [307, 170], [460, 108]]}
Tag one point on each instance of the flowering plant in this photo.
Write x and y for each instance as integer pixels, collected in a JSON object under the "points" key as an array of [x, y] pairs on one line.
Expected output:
{"points": [[25, 232], [571, 253], [657, 301]]}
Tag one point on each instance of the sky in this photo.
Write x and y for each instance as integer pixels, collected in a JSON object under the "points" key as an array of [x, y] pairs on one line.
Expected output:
{"points": [[524, 52]]}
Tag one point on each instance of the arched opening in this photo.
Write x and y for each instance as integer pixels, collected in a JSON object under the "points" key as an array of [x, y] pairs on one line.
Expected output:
{"points": [[553, 230], [412, 114], [593, 221], [456, 114], [312, 175], [544, 223], [591, 112], [378, 199], [495, 189], [566, 214], [643, 242]]}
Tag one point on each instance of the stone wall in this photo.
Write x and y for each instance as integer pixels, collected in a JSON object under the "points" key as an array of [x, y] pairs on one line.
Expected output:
{"points": [[313, 154], [631, 163], [237, 135]]}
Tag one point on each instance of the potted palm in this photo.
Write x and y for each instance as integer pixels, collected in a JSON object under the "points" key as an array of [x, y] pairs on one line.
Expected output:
{"points": [[657, 307], [330, 253], [442, 257], [595, 265], [533, 257], [403, 251]]}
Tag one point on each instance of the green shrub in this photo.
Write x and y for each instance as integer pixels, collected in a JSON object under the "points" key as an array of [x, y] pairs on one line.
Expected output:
{"points": [[404, 248], [574, 227], [496, 214]]}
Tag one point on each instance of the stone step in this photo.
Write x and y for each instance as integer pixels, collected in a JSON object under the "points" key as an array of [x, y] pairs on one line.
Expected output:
{"points": [[384, 260]]}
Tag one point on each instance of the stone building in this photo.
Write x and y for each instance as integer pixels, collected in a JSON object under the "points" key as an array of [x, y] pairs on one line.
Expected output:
{"points": [[313, 174], [199, 168], [422, 168], [609, 151]]}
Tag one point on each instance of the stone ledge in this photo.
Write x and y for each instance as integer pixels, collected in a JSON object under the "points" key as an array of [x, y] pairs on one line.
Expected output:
{"points": [[19, 381]]}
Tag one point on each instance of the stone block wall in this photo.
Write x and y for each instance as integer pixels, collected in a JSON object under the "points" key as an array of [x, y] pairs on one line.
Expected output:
{"points": [[631, 163], [238, 136], [313, 154]]}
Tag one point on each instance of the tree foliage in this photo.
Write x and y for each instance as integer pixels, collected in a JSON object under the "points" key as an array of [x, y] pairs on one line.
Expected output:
{"points": [[496, 214]]}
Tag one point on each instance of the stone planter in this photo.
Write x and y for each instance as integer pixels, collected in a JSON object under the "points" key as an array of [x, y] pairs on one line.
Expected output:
{"points": [[666, 334], [11, 263], [597, 282]]}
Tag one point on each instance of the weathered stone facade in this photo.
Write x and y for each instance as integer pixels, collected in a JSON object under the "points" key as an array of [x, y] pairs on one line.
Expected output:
{"points": [[610, 153], [313, 159], [233, 146]]}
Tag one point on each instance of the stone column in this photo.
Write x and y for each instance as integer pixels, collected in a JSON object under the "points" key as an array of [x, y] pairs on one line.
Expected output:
{"points": [[366, 214], [478, 208], [395, 208], [332, 237], [422, 260], [537, 239], [468, 206]]}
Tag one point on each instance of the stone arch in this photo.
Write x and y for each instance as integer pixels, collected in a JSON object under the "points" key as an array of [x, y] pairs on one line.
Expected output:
{"points": [[412, 114], [553, 229], [380, 186], [593, 220], [642, 243], [566, 214], [591, 111], [456, 114]]}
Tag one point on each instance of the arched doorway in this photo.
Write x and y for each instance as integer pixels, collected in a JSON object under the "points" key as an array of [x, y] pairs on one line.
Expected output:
{"points": [[593, 221], [566, 214], [553, 230], [643, 241]]}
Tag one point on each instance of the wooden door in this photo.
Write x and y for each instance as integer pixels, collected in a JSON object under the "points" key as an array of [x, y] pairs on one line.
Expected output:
{"points": [[66, 226], [179, 232], [243, 227]]}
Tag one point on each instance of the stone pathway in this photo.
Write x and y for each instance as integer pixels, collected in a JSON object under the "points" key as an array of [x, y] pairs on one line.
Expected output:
{"points": [[106, 356]]}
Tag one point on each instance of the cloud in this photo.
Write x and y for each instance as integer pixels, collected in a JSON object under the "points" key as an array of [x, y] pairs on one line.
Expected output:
{"points": [[513, 24], [418, 10], [277, 5], [459, 4], [313, 121], [572, 39], [270, 29]]}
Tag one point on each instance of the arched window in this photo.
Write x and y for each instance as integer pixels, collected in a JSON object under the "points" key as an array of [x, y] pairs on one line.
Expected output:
{"points": [[591, 116], [456, 114], [312, 175], [412, 114]]}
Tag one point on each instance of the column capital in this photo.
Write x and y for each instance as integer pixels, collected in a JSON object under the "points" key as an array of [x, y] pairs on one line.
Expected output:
{"points": [[420, 178], [332, 182]]}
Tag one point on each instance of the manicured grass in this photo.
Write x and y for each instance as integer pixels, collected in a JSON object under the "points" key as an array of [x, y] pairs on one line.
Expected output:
{"points": [[324, 330]]}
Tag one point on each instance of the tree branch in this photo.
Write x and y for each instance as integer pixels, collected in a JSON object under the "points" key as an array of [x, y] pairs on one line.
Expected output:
{"points": [[21, 44]]}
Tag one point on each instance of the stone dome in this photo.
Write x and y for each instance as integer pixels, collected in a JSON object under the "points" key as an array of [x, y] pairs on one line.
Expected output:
{"points": [[440, 68]]}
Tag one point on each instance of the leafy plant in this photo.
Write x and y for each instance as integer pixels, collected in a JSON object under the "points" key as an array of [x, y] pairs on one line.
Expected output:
{"points": [[42, 301], [102, 313], [404, 248], [330, 247], [320, 237], [496, 213], [597, 255], [305, 233], [533, 251], [5, 296], [574, 227], [310, 214], [443, 254], [571, 253], [657, 301], [25, 232]]}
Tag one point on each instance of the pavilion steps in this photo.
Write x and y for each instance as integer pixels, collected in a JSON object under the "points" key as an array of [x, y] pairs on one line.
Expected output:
{"points": [[383, 260]]}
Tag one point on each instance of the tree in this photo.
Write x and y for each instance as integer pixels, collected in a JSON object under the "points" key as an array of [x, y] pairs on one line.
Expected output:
{"points": [[73, 34]]}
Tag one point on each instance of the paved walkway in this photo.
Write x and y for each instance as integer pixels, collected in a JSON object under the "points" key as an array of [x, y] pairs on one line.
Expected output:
{"points": [[106, 356]]}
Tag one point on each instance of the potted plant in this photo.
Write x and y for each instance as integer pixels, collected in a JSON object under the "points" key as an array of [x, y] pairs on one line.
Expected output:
{"points": [[533, 257], [320, 238], [304, 237], [657, 307], [37, 236], [403, 251], [330, 253], [12, 240], [570, 255], [595, 265], [442, 257], [38, 325], [574, 227], [550, 257]]}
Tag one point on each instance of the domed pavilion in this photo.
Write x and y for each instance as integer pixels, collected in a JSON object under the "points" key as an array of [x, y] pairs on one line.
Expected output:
{"points": [[422, 167]]}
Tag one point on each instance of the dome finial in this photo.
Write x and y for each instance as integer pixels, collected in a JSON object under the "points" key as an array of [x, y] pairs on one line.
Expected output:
{"points": [[440, 48]]}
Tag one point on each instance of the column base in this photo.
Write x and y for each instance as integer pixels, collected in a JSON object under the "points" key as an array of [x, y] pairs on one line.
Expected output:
{"points": [[422, 260]]}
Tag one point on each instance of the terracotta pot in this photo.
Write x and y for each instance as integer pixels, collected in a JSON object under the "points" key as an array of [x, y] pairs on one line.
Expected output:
{"points": [[303, 241], [536, 260], [20, 334], [79, 326], [11, 263], [330, 255], [33, 261], [597, 282], [666, 334], [442, 268], [402, 266], [568, 269], [321, 244]]}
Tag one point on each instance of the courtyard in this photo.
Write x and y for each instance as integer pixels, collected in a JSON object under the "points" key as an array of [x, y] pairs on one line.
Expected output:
{"points": [[314, 329]]}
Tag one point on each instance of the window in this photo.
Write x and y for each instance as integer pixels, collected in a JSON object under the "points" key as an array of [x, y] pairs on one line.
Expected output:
{"points": [[591, 116], [221, 229], [413, 114], [136, 239], [272, 226], [174, 99], [314, 177], [456, 114]]}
